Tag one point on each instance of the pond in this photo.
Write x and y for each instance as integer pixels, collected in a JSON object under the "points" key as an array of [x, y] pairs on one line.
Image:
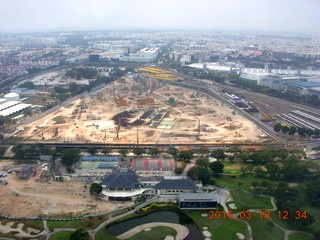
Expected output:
{"points": [[160, 216]]}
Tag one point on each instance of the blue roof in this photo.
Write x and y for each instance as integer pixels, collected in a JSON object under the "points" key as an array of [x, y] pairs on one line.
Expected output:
{"points": [[100, 158], [306, 84], [108, 165]]}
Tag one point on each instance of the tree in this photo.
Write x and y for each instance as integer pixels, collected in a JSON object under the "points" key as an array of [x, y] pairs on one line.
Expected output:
{"points": [[273, 170], [106, 151], [204, 175], [285, 129], [216, 167], [282, 153], [218, 154], [292, 130], [281, 190], [260, 172], [178, 170], [313, 192], [193, 173], [277, 127], [138, 151], [154, 152], [173, 151], [80, 234], [202, 162], [244, 169], [203, 150], [186, 155], [70, 156], [123, 152], [301, 132], [95, 189], [92, 150]]}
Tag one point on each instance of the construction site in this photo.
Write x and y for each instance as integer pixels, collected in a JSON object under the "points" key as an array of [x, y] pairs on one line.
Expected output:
{"points": [[144, 108], [40, 196]]}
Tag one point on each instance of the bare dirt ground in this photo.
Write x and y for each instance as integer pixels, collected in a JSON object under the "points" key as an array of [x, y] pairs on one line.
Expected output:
{"points": [[47, 199], [90, 119]]}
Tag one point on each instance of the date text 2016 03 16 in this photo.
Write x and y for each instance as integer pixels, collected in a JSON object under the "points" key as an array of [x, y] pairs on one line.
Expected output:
{"points": [[262, 214]]}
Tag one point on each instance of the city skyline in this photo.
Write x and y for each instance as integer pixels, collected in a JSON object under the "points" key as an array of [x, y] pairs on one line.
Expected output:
{"points": [[245, 15]]}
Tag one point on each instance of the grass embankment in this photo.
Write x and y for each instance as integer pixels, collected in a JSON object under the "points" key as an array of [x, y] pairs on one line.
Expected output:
{"points": [[156, 206], [222, 228], [87, 223], [62, 235], [245, 200]]}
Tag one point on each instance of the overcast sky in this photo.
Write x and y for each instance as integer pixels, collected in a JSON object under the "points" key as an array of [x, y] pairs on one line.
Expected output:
{"points": [[67, 15]]}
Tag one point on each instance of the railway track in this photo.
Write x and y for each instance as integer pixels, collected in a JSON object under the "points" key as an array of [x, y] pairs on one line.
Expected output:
{"points": [[145, 146], [209, 90]]}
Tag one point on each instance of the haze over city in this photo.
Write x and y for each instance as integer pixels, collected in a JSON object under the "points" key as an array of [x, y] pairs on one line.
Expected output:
{"points": [[67, 15], [136, 119]]}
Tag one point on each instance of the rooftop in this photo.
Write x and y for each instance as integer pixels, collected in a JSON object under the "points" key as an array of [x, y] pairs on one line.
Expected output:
{"points": [[208, 197], [121, 180], [153, 164], [11, 95], [307, 84], [176, 183]]}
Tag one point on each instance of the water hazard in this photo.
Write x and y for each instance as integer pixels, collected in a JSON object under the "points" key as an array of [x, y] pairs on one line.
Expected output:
{"points": [[161, 216]]}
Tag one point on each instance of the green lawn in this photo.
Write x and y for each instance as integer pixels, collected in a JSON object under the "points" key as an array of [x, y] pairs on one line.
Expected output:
{"points": [[157, 233], [299, 236], [102, 235], [225, 229], [245, 200], [66, 224], [233, 182], [262, 230], [62, 235]]}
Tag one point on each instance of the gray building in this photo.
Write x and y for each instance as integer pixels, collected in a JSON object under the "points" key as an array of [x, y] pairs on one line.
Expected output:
{"points": [[198, 200], [173, 185]]}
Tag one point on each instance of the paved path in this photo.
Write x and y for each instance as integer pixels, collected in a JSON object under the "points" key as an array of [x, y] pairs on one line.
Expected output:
{"points": [[182, 231]]}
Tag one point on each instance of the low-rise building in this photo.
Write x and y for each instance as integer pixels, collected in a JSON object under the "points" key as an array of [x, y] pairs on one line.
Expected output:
{"points": [[121, 186], [304, 88], [153, 166], [173, 185], [26, 172], [198, 200]]}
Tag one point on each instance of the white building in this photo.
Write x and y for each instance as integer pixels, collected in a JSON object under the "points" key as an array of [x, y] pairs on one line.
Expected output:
{"points": [[144, 55], [12, 97]]}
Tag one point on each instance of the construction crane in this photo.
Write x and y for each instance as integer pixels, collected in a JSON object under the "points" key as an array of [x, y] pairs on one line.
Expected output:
{"points": [[198, 137]]}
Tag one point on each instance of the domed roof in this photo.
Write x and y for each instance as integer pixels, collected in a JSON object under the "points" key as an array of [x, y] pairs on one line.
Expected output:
{"points": [[11, 95]]}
